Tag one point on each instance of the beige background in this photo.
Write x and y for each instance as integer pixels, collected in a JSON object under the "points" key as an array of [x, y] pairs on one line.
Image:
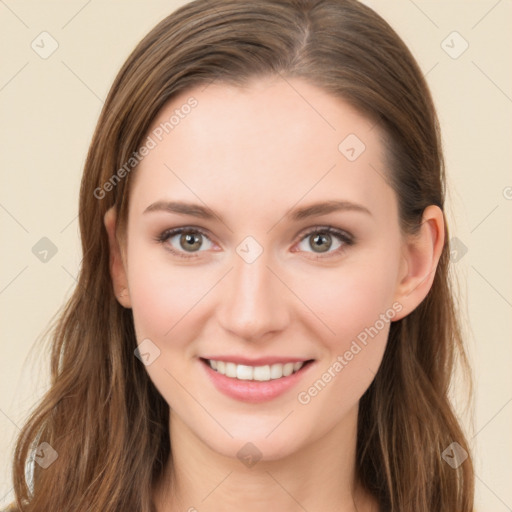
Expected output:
{"points": [[49, 110]]}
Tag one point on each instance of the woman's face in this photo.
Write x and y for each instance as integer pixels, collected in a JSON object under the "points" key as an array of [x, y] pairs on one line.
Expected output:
{"points": [[288, 251]]}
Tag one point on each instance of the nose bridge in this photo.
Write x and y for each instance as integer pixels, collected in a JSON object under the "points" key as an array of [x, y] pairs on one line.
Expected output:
{"points": [[252, 302]]}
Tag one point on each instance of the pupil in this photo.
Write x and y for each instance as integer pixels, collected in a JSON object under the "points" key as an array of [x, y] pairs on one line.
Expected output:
{"points": [[190, 242], [320, 239]]}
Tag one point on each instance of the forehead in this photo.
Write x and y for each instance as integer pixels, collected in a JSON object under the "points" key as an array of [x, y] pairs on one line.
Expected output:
{"points": [[272, 143]]}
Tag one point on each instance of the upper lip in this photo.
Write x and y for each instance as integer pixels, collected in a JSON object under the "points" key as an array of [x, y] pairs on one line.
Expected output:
{"points": [[260, 361]]}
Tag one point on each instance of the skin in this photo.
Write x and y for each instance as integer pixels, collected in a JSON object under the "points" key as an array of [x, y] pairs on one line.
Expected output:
{"points": [[251, 155]]}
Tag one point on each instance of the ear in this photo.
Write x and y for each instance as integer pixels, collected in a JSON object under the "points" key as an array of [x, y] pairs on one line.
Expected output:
{"points": [[117, 261], [421, 254]]}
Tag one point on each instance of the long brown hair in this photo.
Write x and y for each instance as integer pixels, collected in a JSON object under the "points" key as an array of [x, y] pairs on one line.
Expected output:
{"points": [[102, 414]]}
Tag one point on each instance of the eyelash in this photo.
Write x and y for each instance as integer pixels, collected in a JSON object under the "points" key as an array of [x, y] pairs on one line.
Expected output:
{"points": [[344, 237]]}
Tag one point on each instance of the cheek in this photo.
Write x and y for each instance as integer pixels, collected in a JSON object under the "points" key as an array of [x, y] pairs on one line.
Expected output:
{"points": [[355, 304], [357, 307], [163, 296], [351, 300], [165, 303]]}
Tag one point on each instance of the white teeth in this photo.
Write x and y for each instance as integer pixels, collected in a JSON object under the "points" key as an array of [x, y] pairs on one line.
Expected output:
{"points": [[230, 370], [287, 369], [276, 371], [262, 373], [243, 372], [258, 373]]}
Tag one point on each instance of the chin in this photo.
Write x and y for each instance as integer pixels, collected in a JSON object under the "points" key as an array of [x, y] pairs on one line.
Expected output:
{"points": [[261, 440]]}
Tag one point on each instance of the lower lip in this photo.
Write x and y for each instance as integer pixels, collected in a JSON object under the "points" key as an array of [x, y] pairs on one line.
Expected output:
{"points": [[254, 391]]}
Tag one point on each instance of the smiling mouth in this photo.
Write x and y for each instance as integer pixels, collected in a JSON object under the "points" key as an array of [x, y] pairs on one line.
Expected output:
{"points": [[263, 373]]}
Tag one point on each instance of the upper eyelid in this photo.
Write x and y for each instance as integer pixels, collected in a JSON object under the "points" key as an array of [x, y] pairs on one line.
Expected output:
{"points": [[328, 229], [184, 229]]}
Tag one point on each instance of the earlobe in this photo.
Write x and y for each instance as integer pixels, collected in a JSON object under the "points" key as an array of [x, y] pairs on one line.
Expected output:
{"points": [[117, 264], [421, 253]]}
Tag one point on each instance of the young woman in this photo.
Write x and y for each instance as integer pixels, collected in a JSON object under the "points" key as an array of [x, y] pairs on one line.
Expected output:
{"points": [[264, 318]]}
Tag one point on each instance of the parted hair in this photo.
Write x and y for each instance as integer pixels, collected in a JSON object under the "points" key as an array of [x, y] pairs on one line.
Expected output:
{"points": [[102, 414]]}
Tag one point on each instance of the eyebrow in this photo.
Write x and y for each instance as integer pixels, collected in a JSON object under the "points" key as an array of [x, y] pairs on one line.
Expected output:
{"points": [[203, 212]]}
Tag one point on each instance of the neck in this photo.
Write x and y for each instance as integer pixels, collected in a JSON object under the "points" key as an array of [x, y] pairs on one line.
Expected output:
{"points": [[319, 476]]}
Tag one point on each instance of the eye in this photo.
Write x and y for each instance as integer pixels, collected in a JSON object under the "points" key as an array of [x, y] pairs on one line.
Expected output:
{"points": [[325, 240], [185, 240]]}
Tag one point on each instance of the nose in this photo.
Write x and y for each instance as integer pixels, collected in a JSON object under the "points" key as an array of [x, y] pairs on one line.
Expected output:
{"points": [[253, 302]]}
